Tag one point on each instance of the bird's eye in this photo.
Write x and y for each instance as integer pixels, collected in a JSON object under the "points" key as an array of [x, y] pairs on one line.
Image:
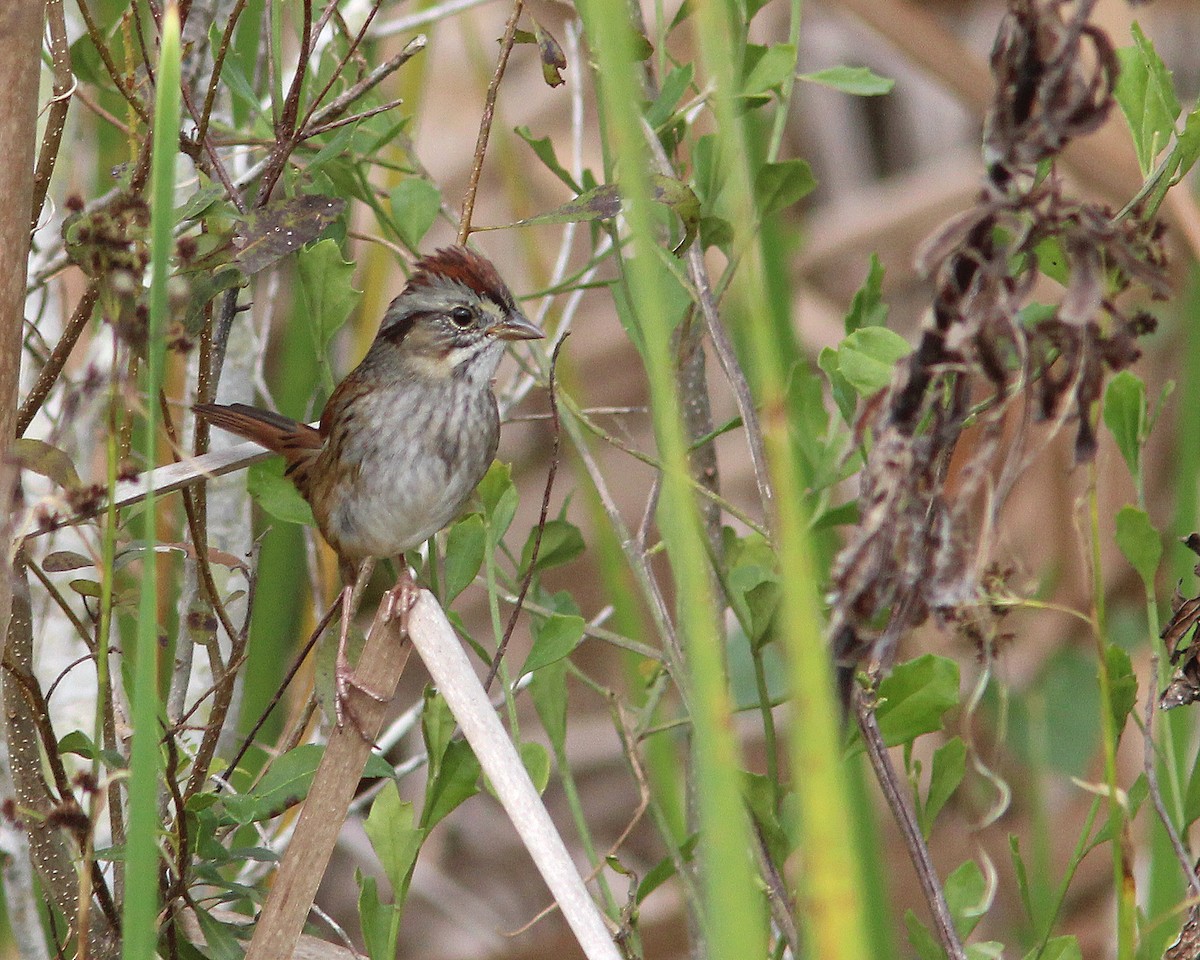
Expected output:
{"points": [[462, 317]]}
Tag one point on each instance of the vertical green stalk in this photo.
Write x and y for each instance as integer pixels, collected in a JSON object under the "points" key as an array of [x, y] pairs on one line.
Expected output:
{"points": [[831, 887], [141, 900], [733, 916], [1122, 872]]}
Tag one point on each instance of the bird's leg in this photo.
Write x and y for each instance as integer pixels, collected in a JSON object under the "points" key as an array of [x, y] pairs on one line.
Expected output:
{"points": [[343, 674], [400, 599]]}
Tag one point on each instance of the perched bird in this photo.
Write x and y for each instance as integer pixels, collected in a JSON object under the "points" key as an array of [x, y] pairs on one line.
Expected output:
{"points": [[407, 436]]}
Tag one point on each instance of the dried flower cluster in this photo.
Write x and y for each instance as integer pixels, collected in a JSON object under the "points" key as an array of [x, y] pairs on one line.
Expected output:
{"points": [[920, 547]]}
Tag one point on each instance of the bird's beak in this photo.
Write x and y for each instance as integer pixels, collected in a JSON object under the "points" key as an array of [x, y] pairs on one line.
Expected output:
{"points": [[516, 327]]}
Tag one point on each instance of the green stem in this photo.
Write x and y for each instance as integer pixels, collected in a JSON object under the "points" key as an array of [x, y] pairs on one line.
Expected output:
{"points": [[1122, 871]]}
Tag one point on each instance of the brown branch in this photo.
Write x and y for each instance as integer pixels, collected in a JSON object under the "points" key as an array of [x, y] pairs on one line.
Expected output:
{"points": [[342, 101], [58, 358], [902, 811], [214, 81], [64, 86], [286, 132], [97, 37], [282, 918], [485, 122]]}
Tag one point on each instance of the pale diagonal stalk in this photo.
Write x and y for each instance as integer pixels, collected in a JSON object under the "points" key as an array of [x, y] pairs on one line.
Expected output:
{"points": [[141, 889], [734, 922], [832, 909]]}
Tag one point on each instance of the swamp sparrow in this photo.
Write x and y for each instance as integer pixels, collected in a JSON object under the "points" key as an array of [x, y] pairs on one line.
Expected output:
{"points": [[410, 432]]}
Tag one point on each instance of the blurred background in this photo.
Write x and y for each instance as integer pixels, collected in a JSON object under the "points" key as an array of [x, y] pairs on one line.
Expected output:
{"points": [[890, 170]]}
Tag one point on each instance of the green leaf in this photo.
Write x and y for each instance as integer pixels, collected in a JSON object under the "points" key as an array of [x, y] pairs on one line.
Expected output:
{"points": [[374, 919], [561, 543], [676, 84], [921, 939], [536, 760], [604, 202], [985, 950], [779, 185], [867, 309], [549, 692], [553, 638], [859, 81], [220, 939], [967, 896], [867, 358], [1057, 948], [1052, 261], [544, 150], [415, 205], [1123, 684], [843, 393], [458, 780], [1146, 95], [914, 698], [771, 66], [1187, 149], [465, 544], [949, 766], [499, 498], [753, 582], [1125, 416], [395, 837], [276, 494], [437, 729], [324, 281], [281, 787], [1139, 542]]}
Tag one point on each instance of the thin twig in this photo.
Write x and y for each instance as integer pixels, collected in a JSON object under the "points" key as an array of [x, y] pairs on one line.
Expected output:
{"points": [[902, 810], [64, 87], [58, 357], [485, 122], [338, 105], [97, 38], [541, 526], [432, 15], [1149, 757]]}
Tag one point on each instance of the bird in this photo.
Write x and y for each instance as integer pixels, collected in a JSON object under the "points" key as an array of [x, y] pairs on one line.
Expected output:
{"points": [[406, 437]]}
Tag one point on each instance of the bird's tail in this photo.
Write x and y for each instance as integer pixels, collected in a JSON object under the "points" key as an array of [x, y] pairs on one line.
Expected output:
{"points": [[297, 443]]}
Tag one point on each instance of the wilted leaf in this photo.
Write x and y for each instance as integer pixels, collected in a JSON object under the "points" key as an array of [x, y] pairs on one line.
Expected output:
{"points": [[280, 228], [550, 54], [63, 560], [45, 460]]}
